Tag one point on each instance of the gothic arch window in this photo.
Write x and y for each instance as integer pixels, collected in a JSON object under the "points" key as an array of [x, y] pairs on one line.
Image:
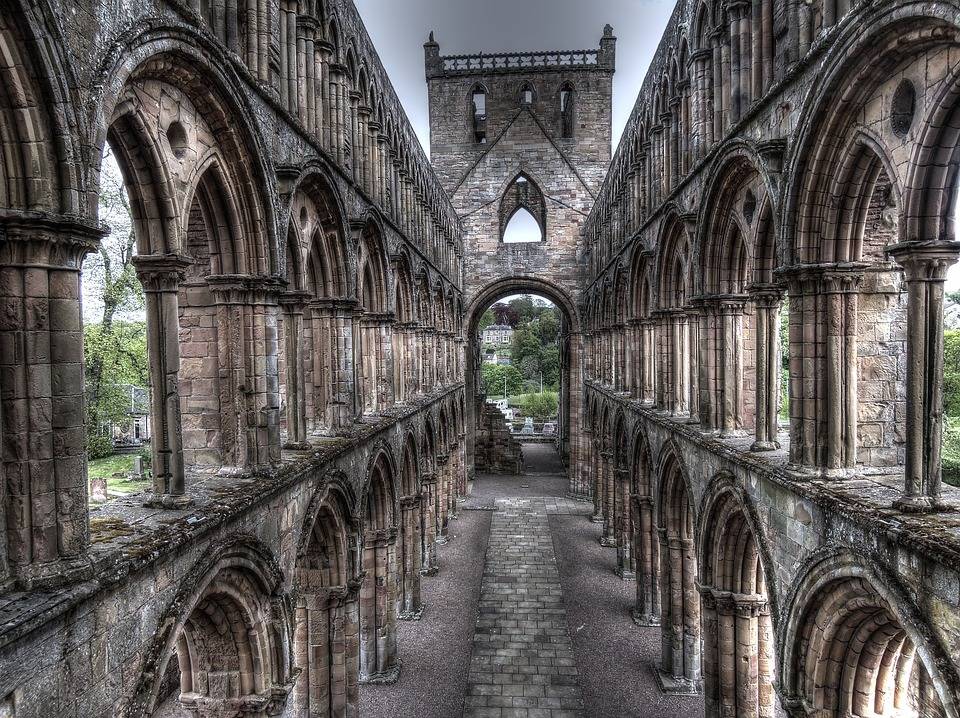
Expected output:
{"points": [[523, 212], [567, 110], [527, 95], [478, 114]]}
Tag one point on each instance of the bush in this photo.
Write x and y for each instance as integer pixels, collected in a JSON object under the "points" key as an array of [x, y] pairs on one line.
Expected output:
{"points": [[951, 393], [99, 446], [951, 452], [540, 406]]}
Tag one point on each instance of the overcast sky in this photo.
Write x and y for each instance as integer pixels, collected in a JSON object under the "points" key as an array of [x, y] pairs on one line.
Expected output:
{"points": [[400, 27]]}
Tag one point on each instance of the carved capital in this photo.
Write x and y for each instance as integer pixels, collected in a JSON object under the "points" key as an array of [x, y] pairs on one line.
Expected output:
{"points": [[161, 273], [925, 261]]}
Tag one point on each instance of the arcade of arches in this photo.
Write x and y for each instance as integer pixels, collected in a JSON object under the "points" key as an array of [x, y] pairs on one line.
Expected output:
{"points": [[312, 288]]}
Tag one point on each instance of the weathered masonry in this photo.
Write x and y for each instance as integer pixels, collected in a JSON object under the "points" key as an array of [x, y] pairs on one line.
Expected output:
{"points": [[522, 133], [784, 162], [301, 267], [313, 285]]}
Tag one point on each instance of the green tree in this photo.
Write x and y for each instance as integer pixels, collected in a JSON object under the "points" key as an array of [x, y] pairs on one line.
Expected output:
{"points": [[951, 373], [486, 319], [548, 325], [494, 376], [525, 307], [550, 366], [541, 407], [115, 350], [954, 296]]}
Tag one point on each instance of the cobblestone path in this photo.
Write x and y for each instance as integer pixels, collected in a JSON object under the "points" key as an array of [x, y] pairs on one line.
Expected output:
{"points": [[523, 664]]}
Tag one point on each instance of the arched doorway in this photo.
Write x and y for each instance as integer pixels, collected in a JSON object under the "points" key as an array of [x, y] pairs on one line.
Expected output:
{"points": [[569, 394]]}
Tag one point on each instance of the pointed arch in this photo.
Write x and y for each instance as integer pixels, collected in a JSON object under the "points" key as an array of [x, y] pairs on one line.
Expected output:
{"points": [[523, 193]]}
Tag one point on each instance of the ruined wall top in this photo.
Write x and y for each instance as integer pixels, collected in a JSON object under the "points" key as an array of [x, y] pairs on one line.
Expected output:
{"points": [[602, 59]]}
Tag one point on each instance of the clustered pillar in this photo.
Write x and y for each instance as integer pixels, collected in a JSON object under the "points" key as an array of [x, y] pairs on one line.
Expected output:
{"points": [[41, 378], [160, 276]]}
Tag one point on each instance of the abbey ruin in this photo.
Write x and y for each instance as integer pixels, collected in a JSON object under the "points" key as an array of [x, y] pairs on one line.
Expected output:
{"points": [[313, 286]]}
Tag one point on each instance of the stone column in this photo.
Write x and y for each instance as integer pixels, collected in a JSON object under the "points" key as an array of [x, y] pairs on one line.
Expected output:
{"points": [[680, 671], [823, 367], [411, 604], [44, 464], [623, 525], [608, 538], [292, 65], [293, 304], [702, 121], [442, 497], [598, 480], [925, 266], [693, 317], [766, 300], [582, 476], [160, 275], [730, 365], [679, 358], [647, 560], [325, 647], [325, 120], [249, 390], [379, 660], [430, 564], [733, 681]]}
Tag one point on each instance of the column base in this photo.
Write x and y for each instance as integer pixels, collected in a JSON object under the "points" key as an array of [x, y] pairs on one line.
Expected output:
{"points": [[646, 620], [441, 539], [676, 685], [596, 519], [764, 446], [917, 504], [625, 574], [608, 542], [578, 496], [412, 615], [51, 574], [383, 677], [168, 501], [431, 571]]}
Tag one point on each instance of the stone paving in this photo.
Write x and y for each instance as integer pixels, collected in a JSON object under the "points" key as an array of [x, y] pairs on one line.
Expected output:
{"points": [[523, 664]]}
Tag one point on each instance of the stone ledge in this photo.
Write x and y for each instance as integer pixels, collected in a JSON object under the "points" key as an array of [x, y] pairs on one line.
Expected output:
{"points": [[865, 498], [127, 537]]}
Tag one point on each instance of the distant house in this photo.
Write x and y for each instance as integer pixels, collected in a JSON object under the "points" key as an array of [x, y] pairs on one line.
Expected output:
{"points": [[490, 357], [498, 334]]}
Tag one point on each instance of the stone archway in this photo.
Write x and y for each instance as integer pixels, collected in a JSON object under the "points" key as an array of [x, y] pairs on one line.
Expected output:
{"points": [[570, 370]]}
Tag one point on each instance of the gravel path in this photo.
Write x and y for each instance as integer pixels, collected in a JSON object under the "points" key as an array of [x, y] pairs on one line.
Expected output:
{"points": [[616, 657], [435, 650], [541, 547]]}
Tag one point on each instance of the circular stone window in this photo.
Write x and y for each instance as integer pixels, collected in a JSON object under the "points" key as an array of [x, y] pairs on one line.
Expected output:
{"points": [[903, 108], [177, 137]]}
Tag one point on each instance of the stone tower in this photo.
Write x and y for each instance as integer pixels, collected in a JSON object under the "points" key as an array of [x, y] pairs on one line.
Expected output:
{"points": [[543, 117], [523, 132]]}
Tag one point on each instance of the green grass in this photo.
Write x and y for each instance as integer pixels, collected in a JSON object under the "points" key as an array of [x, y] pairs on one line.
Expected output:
{"points": [[106, 467], [951, 451], [117, 464]]}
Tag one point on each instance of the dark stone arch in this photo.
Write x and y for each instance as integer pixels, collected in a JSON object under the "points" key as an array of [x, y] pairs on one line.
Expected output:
{"points": [[739, 607], [240, 578], [189, 62], [847, 587], [680, 670]]}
